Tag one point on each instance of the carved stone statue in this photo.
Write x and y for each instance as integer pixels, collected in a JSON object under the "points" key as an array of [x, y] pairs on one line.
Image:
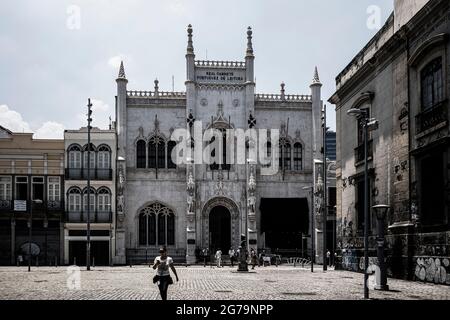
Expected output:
{"points": [[251, 202], [251, 182], [121, 180], [190, 182], [190, 203], [120, 204]]}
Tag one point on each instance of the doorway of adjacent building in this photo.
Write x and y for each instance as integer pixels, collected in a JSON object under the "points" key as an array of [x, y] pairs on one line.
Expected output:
{"points": [[432, 180], [99, 253], [220, 229]]}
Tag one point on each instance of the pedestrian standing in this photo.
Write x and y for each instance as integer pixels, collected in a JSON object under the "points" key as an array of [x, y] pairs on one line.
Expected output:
{"points": [[329, 258], [218, 258], [162, 277], [253, 258], [231, 254]]}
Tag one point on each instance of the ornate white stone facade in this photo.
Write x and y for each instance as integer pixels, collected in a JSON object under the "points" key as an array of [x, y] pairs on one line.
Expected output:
{"points": [[220, 94]]}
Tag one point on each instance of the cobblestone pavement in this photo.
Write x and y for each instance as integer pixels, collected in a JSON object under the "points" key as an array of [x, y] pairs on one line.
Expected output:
{"points": [[199, 283]]}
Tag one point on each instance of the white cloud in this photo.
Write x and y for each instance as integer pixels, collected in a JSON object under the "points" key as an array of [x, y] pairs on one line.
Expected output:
{"points": [[177, 7], [100, 115], [12, 120], [50, 130], [99, 105], [115, 61]]}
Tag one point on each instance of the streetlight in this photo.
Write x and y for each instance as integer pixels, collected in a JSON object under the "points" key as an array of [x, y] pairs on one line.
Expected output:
{"points": [[37, 201], [367, 124], [325, 190], [381, 277], [88, 228], [313, 253]]}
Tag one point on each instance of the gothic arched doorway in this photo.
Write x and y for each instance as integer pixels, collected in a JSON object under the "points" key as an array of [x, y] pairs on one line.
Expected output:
{"points": [[220, 229]]}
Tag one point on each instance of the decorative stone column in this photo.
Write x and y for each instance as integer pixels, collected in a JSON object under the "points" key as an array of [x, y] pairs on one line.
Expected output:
{"points": [[251, 206], [120, 254], [190, 214]]}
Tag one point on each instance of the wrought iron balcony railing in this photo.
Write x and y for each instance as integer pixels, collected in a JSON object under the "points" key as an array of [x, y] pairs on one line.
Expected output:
{"points": [[82, 174], [431, 117], [95, 217], [8, 205]]}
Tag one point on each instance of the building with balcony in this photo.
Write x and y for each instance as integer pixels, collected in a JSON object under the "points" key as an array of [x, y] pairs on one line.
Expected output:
{"points": [[31, 188], [402, 78], [101, 210]]}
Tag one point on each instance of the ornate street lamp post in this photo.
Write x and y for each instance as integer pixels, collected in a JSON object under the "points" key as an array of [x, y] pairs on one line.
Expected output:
{"points": [[88, 229], [381, 276], [367, 124]]}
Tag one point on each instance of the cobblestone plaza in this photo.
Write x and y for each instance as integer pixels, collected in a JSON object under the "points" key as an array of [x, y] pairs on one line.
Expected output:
{"points": [[200, 283]]}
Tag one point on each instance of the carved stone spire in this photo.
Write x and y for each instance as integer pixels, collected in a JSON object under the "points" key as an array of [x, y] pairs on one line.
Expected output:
{"points": [[156, 85], [316, 79], [121, 71], [249, 42], [190, 47]]}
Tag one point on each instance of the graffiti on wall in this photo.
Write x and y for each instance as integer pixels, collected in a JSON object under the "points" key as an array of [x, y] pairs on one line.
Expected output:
{"points": [[435, 270]]}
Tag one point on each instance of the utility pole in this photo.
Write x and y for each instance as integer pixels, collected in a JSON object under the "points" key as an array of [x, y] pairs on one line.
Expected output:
{"points": [[325, 191], [88, 231]]}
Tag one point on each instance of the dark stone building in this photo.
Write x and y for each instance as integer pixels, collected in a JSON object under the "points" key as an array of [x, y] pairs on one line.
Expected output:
{"points": [[402, 78]]}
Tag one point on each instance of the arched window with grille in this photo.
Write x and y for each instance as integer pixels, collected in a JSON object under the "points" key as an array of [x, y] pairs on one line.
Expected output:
{"points": [[92, 157], [104, 200], [298, 162], [91, 201], [74, 158], [432, 84], [170, 163], [74, 200], [140, 154], [104, 157], [156, 225]]}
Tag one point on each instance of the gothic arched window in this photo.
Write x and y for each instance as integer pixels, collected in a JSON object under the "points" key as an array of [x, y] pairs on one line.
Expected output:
{"points": [[156, 153], [140, 154], [161, 154], [298, 164], [285, 155], [170, 146], [156, 222], [221, 147]]}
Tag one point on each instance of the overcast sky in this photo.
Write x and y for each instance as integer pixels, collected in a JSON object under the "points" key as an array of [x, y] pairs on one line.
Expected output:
{"points": [[54, 54]]}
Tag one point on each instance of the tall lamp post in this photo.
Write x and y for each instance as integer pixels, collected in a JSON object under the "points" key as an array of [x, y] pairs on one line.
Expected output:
{"points": [[381, 278], [325, 191], [367, 124], [37, 201], [313, 253], [88, 229]]}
